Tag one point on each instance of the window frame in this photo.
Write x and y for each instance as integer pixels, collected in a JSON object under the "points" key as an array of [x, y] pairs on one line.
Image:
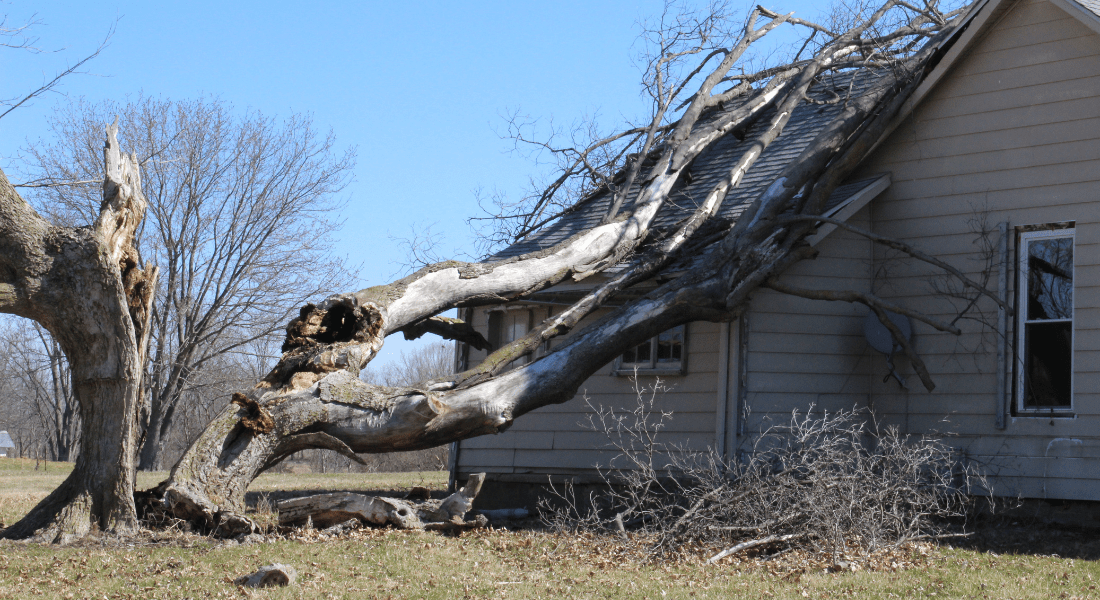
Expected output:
{"points": [[619, 368], [1023, 241]]}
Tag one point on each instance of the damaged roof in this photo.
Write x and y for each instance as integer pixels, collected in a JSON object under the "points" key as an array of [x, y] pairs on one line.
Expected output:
{"points": [[806, 121]]}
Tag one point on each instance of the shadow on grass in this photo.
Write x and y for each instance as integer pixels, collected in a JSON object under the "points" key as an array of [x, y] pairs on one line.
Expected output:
{"points": [[1039, 528]]}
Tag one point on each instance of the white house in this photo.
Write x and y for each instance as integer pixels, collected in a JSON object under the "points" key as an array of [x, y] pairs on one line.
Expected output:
{"points": [[1005, 128]]}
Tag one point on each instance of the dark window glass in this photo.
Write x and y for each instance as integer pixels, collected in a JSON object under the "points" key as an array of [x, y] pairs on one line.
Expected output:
{"points": [[496, 329], [1046, 342], [630, 356], [1050, 279], [1047, 364], [663, 351], [670, 345]]}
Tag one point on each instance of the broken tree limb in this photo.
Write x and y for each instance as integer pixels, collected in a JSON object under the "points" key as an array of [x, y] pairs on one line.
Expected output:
{"points": [[862, 298], [771, 539], [305, 441], [459, 503], [908, 249], [447, 328], [326, 510]]}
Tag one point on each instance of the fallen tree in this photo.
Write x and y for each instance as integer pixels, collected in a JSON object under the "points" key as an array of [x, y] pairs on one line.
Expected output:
{"points": [[313, 398]]}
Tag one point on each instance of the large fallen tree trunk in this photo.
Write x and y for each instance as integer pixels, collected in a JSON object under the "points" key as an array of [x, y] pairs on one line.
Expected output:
{"points": [[314, 399], [85, 286]]}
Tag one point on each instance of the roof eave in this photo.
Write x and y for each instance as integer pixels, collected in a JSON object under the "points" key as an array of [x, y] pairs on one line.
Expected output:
{"points": [[1082, 14], [975, 24], [849, 207]]}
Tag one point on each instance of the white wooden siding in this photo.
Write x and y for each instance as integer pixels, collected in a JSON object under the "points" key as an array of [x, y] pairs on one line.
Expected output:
{"points": [[805, 354], [1012, 131]]}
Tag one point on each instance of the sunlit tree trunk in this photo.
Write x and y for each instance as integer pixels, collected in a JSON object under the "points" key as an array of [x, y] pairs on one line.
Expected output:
{"points": [[85, 286]]}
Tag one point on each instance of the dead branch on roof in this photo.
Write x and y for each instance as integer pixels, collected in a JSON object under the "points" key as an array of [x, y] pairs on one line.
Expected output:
{"points": [[619, 187]]}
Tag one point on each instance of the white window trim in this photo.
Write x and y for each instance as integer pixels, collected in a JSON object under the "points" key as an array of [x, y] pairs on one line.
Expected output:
{"points": [[1026, 237], [619, 369]]}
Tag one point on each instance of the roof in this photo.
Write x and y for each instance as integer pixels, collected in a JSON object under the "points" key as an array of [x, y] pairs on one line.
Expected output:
{"points": [[1092, 6], [5, 440], [806, 121]]}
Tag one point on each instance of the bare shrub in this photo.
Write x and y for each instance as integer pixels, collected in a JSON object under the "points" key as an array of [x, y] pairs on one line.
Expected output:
{"points": [[829, 482]]}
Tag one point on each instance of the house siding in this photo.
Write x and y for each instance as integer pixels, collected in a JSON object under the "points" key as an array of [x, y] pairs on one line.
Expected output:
{"points": [[556, 439], [804, 354], [1012, 134]]}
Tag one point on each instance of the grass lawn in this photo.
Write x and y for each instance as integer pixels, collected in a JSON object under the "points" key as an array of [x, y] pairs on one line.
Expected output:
{"points": [[504, 564]]}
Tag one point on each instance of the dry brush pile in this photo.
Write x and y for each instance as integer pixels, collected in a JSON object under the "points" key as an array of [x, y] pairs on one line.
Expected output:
{"points": [[832, 483]]}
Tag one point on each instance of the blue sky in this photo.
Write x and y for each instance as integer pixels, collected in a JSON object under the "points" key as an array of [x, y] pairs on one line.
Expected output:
{"points": [[419, 88]]}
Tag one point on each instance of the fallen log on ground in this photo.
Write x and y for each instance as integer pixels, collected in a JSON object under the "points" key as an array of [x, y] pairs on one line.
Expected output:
{"points": [[327, 510]]}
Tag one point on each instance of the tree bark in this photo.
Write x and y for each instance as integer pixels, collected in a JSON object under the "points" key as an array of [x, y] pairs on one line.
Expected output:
{"points": [[85, 286]]}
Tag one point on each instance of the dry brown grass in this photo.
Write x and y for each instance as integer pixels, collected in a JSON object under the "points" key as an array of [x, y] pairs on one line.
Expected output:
{"points": [[22, 486], [375, 563], [503, 564]]}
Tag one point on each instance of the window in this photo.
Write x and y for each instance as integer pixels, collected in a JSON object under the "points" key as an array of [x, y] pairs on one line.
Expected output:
{"points": [[1044, 342], [662, 354], [507, 326]]}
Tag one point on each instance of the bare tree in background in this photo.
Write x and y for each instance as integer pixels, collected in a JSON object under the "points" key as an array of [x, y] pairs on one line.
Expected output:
{"points": [[21, 36], [18, 411], [40, 386], [702, 92], [240, 211], [431, 361]]}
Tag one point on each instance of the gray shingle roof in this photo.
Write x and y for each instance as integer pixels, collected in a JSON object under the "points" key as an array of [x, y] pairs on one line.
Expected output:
{"points": [[1092, 6], [805, 123], [5, 440]]}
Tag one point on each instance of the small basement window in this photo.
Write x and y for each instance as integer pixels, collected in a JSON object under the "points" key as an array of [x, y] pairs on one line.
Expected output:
{"points": [[1044, 366], [662, 354]]}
